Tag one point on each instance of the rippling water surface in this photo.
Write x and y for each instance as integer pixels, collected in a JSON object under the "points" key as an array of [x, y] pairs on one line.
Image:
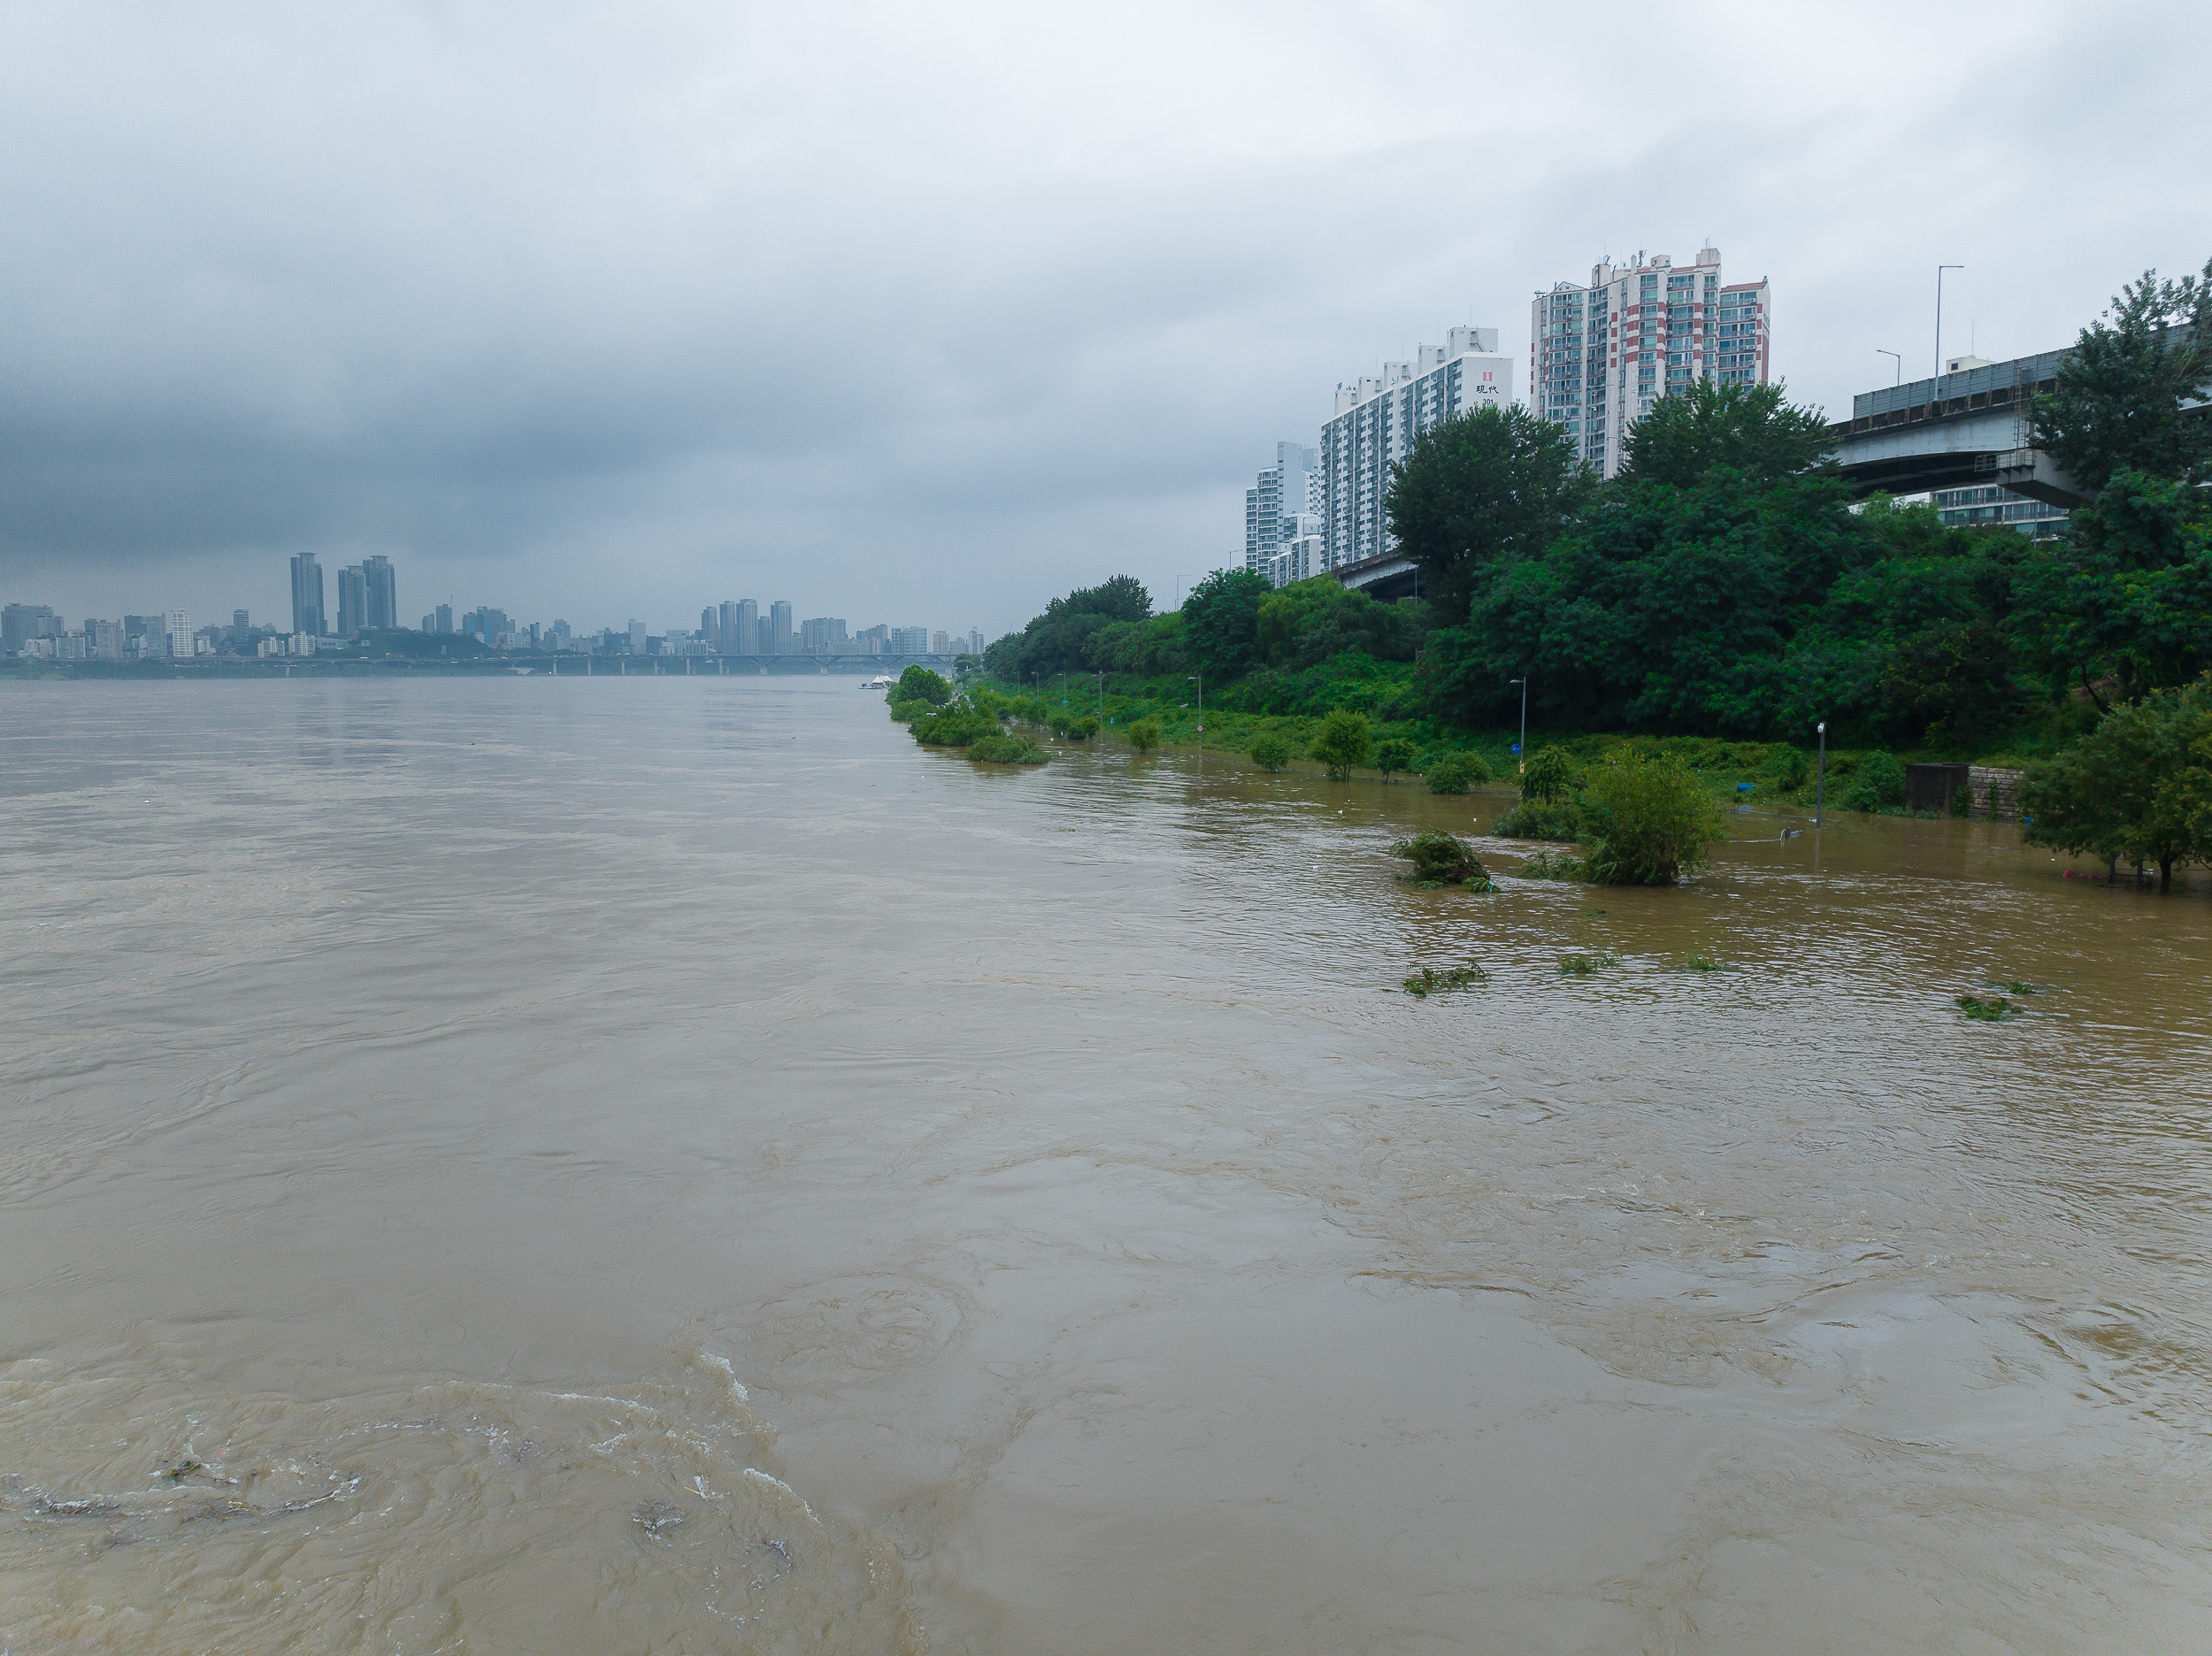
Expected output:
{"points": [[664, 1164]]}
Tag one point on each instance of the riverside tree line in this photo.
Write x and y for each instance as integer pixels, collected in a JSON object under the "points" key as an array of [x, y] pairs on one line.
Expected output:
{"points": [[1727, 584]]}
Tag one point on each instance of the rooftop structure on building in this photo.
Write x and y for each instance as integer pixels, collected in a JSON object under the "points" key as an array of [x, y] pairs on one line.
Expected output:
{"points": [[1377, 420], [1601, 353]]}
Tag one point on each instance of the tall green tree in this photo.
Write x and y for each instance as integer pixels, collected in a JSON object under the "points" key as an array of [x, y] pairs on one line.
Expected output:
{"points": [[2119, 403], [1744, 428], [2140, 785], [1221, 621], [1479, 491]]}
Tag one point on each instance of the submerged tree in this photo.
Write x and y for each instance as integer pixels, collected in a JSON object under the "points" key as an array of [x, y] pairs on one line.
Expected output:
{"points": [[1648, 820], [2140, 785], [1343, 743]]}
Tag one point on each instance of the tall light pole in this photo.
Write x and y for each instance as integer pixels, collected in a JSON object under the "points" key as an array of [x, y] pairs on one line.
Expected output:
{"points": [[1102, 693], [1199, 679], [1894, 357], [1522, 751], [1820, 783], [1938, 367]]}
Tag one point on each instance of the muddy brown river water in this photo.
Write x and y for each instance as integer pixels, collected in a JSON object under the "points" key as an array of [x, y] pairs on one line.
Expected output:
{"points": [[666, 1165]]}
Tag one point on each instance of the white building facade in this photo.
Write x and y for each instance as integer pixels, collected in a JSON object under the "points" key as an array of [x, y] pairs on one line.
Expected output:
{"points": [[1601, 355], [1284, 503], [1377, 420]]}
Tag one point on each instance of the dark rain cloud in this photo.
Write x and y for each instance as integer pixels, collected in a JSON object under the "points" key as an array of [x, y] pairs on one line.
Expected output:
{"points": [[925, 315]]}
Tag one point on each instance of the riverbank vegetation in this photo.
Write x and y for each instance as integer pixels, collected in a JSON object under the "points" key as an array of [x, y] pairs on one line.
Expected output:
{"points": [[1713, 604]]}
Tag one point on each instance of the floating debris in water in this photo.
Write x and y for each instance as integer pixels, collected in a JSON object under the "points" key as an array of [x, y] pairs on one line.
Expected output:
{"points": [[1702, 963], [1992, 1010], [1583, 965], [656, 1517], [182, 1470], [2013, 985]]}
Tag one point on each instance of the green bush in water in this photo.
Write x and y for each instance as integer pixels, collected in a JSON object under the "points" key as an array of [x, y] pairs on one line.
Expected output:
{"points": [[1005, 748], [1442, 859], [1084, 728], [1343, 743], [957, 726], [1552, 866], [1271, 753], [1647, 820], [1394, 755], [1550, 775], [1428, 980], [1536, 819], [918, 684], [1992, 1010], [1144, 735], [1876, 783], [1456, 773], [1583, 965]]}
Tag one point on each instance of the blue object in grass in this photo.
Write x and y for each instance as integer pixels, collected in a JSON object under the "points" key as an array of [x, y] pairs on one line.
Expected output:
{"points": [[1745, 787]]}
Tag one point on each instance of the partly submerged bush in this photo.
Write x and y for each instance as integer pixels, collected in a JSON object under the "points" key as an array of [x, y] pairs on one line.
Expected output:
{"points": [[1442, 859], [1005, 748], [1552, 866], [1548, 775], [1647, 820], [1084, 728], [957, 726], [1428, 980], [918, 684], [1538, 819], [1393, 755], [1876, 783], [907, 712], [1343, 743], [1271, 753], [1583, 965], [1144, 735], [1456, 773], [1992, 1010]]}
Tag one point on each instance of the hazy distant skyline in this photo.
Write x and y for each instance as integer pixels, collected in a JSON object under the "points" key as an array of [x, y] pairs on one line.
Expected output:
{"points": [[926, 316]]}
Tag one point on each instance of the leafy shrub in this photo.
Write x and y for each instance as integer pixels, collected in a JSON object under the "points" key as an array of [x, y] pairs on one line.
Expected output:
{"points": [[918, 684], [1701, 964], [1342, 743], [1790, 775], [1028, 707], [1005, 748], [1060, 722], [1084, 728], [1442, 859], [1554, 865], [957, 726], [1583, 965], [1985, 1011], [906, 712], [1877, 782], [1647, 820], [1548, 775], [1533, 819], [1394, 755], [1456, 773], [1428, 980], [1144, 735], [1271, 753]]}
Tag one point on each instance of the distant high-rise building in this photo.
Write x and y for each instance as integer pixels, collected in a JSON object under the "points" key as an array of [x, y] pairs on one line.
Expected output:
{"points": [[782, 640], [239, 626], [20, 623], [637, 637], [103, 638], [822, 636], [353, 600], [307, 596], [443, 615], [1378, 417], [1286, 502], [178, 628], [488, 625], [1601, 355], [975, 641], [380, 594], [910, 640]]}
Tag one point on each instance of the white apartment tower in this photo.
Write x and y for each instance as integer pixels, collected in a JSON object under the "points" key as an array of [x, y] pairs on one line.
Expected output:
{"points": [[1378, 418], [1284, 504], [1599, 356]]}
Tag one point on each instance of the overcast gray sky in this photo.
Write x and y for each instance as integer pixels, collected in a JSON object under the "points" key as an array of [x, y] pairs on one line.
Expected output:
{"points": [[924, 313]]}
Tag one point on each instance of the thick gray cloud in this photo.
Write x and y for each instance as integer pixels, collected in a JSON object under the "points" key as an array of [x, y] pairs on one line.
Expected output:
{"points": [[924, 314]]}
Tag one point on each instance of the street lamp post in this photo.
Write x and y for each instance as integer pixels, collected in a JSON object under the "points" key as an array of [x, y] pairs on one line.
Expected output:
{"points": [[1199, 679], [1522, 751], [1820, 782], [1938, 367], [1894, 357]]}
